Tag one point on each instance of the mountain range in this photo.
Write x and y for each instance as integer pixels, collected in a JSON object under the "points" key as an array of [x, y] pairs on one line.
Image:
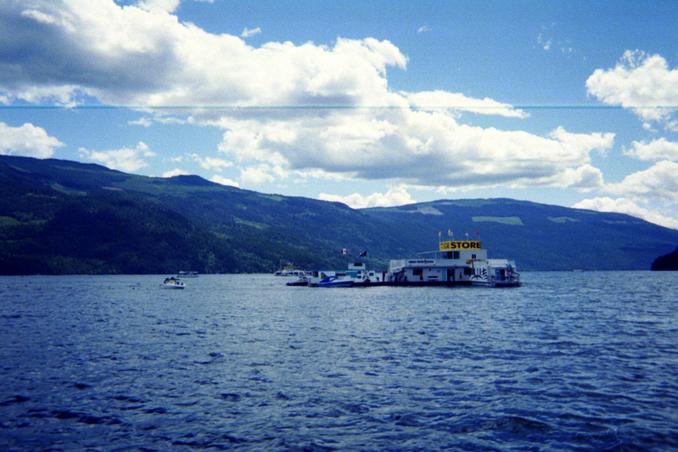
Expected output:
{"points": [[59, 216]]}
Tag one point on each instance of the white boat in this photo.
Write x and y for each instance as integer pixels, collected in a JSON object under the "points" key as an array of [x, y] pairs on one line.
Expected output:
{"points": [[355, 275], [495, 273], [301, 281], [456, 262], [187, 274], [290, 272], [335, 281], [172, 283]]}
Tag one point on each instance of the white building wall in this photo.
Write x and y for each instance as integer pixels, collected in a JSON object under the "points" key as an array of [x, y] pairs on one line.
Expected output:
{"points": [[433, 274]]}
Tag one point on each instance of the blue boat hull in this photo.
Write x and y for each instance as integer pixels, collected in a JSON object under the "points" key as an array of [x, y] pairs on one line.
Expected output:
{"points": [[335, 284]]}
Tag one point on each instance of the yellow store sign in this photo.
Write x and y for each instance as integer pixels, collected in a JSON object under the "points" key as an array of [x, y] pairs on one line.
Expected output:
{"points": [[454, 245]]}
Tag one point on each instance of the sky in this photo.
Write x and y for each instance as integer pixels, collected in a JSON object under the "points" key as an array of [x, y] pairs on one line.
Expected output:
{"points": [[370, 103]]}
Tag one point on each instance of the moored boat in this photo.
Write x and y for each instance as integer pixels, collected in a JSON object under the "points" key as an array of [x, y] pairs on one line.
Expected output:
{"points": [[335, 281], [456, 262], [301, 281], [187, 274], [290, 272], [495, 273], [355, 275]]}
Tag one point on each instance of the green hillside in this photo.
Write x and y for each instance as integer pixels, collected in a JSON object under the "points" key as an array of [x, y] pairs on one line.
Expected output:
{"points": [[538, 236], [66, 217]]}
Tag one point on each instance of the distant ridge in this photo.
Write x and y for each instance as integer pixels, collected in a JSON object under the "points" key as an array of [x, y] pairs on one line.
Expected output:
{"points": [[59, 216], [189, 180]]}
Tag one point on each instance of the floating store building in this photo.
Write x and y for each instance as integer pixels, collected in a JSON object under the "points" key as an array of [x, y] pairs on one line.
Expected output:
{"points": [[456, 262]]}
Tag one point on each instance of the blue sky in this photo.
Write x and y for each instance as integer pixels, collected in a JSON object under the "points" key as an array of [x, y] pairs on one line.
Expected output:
{"points": [[546, 101]]}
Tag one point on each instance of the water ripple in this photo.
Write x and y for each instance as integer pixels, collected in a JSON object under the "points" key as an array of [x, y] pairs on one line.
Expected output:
{"points": [[568, 361]]}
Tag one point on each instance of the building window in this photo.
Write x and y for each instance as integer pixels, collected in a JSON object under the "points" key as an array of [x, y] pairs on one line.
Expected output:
{"points": [[417, 272], [473, 256]]}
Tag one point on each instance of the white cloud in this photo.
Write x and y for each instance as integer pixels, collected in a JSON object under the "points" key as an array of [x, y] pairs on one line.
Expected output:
{"points": [[160, 118], [641, 83], [458, 102], [659, 182], [224, 181], [39, 16], [423, 29], [167, 6], [584, 178], [145, 56], [256, 175], [144, 121], [395, 196], [210, 163], [426, 148], [27, 140], [247, 32], [306, 174], [175, 172], [140, 56], [659, 149], [651, 194], [628, 206], [123, 159], [544, 42]]}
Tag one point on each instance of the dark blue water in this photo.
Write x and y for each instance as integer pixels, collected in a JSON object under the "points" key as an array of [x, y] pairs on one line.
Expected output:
{"points": [[569, 360]]}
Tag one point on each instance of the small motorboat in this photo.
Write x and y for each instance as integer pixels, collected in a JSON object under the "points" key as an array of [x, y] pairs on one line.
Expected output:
{"points": [[334, 281], [495, 273], [354, 276], [188, 274], [302, 281], [172, 283], [290, 272]]}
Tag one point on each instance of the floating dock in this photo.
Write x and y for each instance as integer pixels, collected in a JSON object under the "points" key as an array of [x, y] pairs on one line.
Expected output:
{"points": [[455, 263]]}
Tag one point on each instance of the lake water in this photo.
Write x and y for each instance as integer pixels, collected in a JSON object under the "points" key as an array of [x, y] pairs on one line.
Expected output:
{"points": [[569, 360]]}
